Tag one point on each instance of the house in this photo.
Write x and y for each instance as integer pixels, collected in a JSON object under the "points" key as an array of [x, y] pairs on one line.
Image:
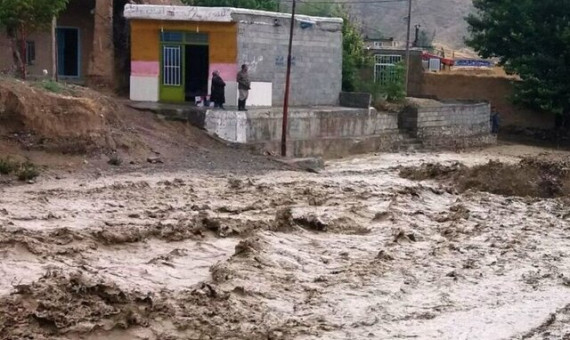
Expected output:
{"points": [[175, 49], [387, 53], [88, 44]]}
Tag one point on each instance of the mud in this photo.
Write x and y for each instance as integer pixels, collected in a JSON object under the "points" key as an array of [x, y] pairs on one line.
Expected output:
{"points": [[530, 177], [353, 252]]}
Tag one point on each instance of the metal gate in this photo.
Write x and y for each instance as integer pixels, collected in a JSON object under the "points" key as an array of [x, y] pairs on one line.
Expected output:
{"points": [[172, 65], [172, 81]]}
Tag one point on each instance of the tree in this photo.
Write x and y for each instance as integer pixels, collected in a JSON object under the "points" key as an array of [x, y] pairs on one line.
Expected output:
{"points": [[531, 39], [269, 5], [21, 17], [425, 39], [354, 56]]}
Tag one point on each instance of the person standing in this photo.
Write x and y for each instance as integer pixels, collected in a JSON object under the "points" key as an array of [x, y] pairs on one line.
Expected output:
{"points": [[494, 121], [244, 85], [218, 93]]}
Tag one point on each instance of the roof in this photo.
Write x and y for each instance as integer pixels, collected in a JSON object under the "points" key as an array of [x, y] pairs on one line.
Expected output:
{"points": [[209, 14]]}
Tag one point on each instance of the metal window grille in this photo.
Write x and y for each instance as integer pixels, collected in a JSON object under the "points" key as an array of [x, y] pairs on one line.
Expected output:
{"points": [[172, 70], [30, 52], [385, 68]]}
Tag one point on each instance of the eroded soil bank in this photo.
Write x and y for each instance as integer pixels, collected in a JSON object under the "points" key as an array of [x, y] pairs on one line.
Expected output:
{"points": [[355, 252]]}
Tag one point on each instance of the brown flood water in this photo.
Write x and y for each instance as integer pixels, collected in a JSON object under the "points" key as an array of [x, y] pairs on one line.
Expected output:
{"points": [[354, 252]]}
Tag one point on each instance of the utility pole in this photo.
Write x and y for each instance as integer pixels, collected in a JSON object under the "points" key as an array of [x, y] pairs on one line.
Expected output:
{"points": [[54, 49], [287, 80], [408, 45]]}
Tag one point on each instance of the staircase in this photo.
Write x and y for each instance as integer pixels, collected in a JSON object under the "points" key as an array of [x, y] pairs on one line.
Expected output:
{"points": [[409, 143]]}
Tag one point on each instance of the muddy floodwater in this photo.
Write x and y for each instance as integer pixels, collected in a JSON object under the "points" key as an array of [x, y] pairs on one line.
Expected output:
{"points": [[353, 252]]}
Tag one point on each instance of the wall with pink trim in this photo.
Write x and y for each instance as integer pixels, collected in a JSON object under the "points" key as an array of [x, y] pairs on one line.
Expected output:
{"points": [[145, 68], [228, 72]]}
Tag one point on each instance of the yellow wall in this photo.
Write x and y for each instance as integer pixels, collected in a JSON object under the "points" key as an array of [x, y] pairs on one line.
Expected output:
{"points": [[145, 38]]}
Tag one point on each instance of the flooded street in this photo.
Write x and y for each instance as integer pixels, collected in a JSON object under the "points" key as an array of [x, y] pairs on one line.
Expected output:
{"points": [[353, 252]]}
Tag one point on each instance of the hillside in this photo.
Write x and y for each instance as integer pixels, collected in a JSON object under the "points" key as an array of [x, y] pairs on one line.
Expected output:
{"points": [[445, 17]]}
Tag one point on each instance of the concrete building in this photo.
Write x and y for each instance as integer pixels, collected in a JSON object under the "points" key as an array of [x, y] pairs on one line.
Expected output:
{"points": [[175, 49], [87, 45]]}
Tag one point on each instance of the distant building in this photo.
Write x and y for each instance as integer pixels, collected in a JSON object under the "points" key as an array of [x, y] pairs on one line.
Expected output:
{"points": [[378, 41], [387, 53], [88, 45], [175, 49]]}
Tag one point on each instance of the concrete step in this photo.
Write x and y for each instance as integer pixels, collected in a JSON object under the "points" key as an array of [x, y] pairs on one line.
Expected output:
{"points": [[409, 143]]}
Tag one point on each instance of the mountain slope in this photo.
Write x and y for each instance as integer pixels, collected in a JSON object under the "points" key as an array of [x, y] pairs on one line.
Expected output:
{"points": [[444, 17]]}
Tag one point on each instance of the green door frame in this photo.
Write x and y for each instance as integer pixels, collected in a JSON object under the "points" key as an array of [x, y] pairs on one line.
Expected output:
{"points": [[177, 93], [172, 93]]}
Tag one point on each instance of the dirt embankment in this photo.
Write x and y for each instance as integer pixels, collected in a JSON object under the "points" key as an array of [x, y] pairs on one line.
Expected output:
{"points": [[74, 121], [70, 128], [531, 177]]}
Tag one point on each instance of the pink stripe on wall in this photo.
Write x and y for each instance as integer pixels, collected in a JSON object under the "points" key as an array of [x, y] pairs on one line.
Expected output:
{"points": [[145, 68], [228, 72]]}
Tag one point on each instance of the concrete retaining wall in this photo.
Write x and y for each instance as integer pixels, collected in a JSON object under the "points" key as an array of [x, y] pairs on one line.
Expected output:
{"points": [[451, 125], [328, 132]]}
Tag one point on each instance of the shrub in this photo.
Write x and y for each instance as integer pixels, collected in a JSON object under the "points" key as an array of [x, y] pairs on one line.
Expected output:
{"points": [[27, 171], [7, 166], [115, 160]]}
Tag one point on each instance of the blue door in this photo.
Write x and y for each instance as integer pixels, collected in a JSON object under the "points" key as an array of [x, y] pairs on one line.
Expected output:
{"points": [[68, 52]]}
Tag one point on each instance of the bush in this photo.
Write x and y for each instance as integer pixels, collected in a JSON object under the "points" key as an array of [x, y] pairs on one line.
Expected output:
{"points": [[393, 91], [27, 171], [7, 166], [115, 160]]}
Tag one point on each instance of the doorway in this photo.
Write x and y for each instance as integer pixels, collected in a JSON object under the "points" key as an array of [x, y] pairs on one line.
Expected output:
{"points": [[68, 52], [184, 65], [196, 62]]}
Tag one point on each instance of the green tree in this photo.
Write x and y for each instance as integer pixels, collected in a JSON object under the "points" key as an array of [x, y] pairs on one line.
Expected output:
{"points": [[355, 57], [425, 39], [531, 39], [21, 17], [269, 5]]}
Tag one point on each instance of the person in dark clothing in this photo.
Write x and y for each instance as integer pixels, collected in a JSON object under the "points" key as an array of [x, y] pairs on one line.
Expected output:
{"points": [[494, 121], [244, 85], [217, 94]]}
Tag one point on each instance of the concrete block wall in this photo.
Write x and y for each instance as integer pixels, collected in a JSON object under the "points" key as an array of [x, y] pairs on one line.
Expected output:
{"points": [[306, 124], [316, 73], [333, 132], [450, 125]]}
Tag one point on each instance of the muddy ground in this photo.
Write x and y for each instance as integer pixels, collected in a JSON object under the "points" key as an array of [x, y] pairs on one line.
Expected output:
{"points": [[353, 252]]}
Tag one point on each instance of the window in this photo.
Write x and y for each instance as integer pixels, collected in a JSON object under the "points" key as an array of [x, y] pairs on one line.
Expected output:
{"points": [[385, 68], [30, 52], [184, 37], [377, 44], [172, 70], [30, 55]]}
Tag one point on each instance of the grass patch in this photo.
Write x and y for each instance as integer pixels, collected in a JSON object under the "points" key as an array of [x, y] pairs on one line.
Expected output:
{"points": [[51, 86], [7, 166]]}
